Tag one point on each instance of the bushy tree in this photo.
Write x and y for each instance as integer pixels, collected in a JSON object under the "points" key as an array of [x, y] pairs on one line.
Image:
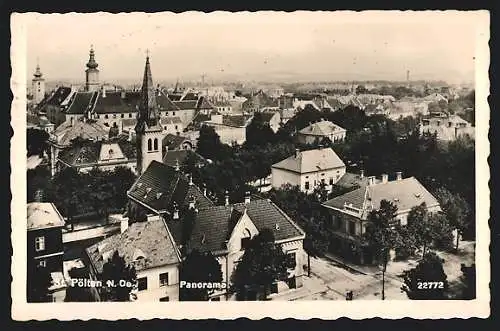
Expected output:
{"points": [[37, 142], [199, 267], [469, 280], [427, 281], [38, 283], [209, 145], [78, 293], [258, 133], [118, 273], [262, 264]]}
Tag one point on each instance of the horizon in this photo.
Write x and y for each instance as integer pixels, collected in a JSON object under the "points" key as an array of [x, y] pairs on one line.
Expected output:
{"points": [[265, 46]]}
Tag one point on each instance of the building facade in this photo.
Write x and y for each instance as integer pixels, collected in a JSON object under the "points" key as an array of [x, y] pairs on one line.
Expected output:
{"points": [[318, 131], [92, 73], [38, 86], [308, 170]]}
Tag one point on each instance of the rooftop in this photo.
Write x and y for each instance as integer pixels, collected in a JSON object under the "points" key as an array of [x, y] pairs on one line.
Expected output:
{"points": [[42, 215], [311, 161], [322, 128]]}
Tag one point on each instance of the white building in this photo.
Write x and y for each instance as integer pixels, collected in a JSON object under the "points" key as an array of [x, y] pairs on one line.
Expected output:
{"points": [[308, 170], [321, 130]]}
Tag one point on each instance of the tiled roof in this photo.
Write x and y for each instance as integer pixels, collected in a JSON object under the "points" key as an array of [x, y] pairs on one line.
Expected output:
{"points": [[173, 141], [59, 96], [114, 103], [149, 240], [405, 194], [184, 105], [129, 122], [215, 224], [172, 157], [351, 180], [322, 128], [91, 130], [89, 152], [267, 116], [311, 161], [235, 120], [170, 120], [160, 185], [81, 103], [190, 96], [203, 103], [43, 215], [164, 103]]}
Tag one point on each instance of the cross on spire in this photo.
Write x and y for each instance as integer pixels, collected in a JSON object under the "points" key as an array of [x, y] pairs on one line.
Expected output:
{"points": [[147, 52]]}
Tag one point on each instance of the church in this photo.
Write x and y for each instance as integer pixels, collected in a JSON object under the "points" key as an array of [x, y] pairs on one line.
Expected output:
{"points": [[154, 235]]}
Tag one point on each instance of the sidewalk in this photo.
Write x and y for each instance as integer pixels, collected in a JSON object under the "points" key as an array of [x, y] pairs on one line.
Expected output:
{"points": [[365, 270], [310, 286]]}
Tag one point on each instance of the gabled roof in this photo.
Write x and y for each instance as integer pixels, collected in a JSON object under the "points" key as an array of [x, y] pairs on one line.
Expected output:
{"points": [[173, 141], [311, 161], [59, 96], [185, 105], [149, 240], [322, 128], [90, 129], [81, 103], [160, 185], [405, 194], [213, 225], [43, 215], [172, 157], [236, 120]]}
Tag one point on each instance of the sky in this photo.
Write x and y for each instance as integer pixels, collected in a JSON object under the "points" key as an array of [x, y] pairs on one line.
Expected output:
{"points": [[267, 45]]}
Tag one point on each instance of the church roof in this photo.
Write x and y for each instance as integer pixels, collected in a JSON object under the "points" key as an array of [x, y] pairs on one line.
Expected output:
{"points": [[149, 116], [59, 96], [81, 103], [89, 129]]}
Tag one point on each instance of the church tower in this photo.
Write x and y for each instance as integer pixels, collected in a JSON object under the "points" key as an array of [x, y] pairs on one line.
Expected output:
{"points": [[38, 86], [148, 129], [92, 73]]}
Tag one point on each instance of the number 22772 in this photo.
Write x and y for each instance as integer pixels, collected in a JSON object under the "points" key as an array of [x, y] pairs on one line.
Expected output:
{"points": [[430, 285]]}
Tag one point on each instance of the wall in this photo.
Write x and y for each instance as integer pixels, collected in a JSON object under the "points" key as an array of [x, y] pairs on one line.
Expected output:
{"points": [[229, 134], [312, 177], [53, 245], [154, 291], [280, 177], [146, 156]]}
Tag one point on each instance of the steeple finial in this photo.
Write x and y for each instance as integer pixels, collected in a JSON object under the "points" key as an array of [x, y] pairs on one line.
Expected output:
{"points": [[92, 64], [38, 73]]}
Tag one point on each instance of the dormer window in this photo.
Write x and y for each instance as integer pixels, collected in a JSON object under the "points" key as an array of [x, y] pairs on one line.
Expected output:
{"points": [[147, 192], [158, 195]]}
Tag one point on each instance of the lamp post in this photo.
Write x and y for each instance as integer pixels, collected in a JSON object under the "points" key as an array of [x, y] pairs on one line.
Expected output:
{"points": [[384, 267]]}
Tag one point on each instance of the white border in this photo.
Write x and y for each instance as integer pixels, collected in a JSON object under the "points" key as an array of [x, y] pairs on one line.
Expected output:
{"points": [[253, 310]]}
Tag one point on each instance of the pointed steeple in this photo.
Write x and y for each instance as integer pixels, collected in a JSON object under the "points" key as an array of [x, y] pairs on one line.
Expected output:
{"points": [[92, 64], [148, 108]]}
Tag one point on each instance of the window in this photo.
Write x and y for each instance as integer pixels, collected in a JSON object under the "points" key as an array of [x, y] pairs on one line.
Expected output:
{"points": [[150, 145], [164, 279], [306, 185], [165, 127], [331, 181], [164, 299], [122, 115], [130, 115], [215, 299], [176, 127], [156, 144], [173, 113], [114, 115], [290, 260], [245, 242], [142, 283], [352, 228], [106, 116], [98, 116], [166, 113], [42, 263], [39, 243], [322, 181]]}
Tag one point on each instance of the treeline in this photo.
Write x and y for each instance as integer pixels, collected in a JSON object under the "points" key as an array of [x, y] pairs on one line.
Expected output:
{"points": [[77, 194]]}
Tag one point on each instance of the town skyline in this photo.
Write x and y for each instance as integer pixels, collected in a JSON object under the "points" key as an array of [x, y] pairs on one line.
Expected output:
{"points": [[329, 47]]}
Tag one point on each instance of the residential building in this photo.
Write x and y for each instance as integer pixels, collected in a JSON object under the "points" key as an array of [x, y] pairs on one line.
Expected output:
{"points": [[447, 127], [230, 128], [45, 244], [308, 170], [257, 102], [272, 119], [223, 107], [320, 130], [174, 142], [349, 212], [104, 155]]}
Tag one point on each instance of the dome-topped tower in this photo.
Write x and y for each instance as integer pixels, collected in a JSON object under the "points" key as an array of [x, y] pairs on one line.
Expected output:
{"points": [[92, 73], [38, 85]]}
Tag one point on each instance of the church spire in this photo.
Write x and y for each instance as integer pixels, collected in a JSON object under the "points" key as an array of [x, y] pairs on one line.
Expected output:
{"points": [[148, 108], [92, 64], [38, 73]]}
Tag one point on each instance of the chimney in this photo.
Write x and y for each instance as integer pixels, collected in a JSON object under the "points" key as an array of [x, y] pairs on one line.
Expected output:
{"points": [[204, 189], [297, 152], [247, 197], [123, 225], [122, 94], [177, 167], [175, 215], [190, 179], [130, 135], [362, 174], [227, 198], [192, 202], [103, 91], [399, 175], [385, 178], [371, 180]]}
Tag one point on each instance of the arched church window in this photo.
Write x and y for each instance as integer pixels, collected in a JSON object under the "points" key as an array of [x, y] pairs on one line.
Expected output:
{"points": [[150, 147], [156, 144]]}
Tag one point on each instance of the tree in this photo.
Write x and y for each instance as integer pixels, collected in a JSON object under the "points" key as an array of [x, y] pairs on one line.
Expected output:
{"points": [[78, 293], [113, 131], [258, 133], [209, 145], [36, 141], [469, 280], [38, 283], [123, 276], [427, 281], [199, 267], [380, 234], [456, 209], [262, 264]]}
